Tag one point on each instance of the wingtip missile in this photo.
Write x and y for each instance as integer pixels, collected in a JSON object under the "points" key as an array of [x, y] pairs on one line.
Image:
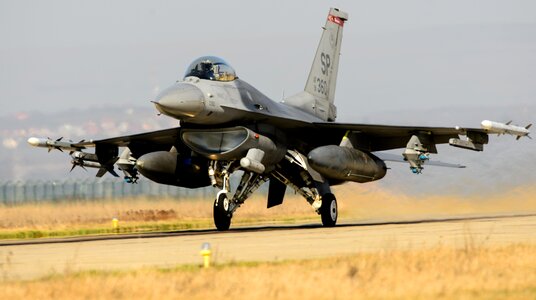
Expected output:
{"points": [[51, 144], [506, 128]]}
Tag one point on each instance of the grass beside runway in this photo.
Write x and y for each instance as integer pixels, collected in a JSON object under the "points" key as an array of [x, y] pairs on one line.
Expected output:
{"points": [[137, 215], [357, 202], [470, 272], [141, 227]]}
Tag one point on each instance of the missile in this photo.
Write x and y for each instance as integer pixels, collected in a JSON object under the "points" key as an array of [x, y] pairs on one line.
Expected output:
{"points": [[79, 155], [83, 163], [53, 144], [89, 160], [502, 128]]}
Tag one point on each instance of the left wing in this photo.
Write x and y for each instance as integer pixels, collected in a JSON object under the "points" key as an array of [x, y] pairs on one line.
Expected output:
{"points": [[418, 141], [386, 137]]}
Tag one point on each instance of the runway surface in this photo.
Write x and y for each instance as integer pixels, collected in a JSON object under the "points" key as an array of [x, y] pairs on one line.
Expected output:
{"points": [[20, 260]]}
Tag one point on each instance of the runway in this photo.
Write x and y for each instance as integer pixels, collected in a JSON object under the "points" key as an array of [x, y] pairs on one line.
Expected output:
{"points": [[33, 259]]}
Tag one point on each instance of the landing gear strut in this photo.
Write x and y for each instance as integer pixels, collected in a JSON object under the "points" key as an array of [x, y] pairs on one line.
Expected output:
{"points": [[317, 194], [224, 206]]}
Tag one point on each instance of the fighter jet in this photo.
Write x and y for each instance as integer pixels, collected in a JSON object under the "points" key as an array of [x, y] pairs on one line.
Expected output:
{"points": [[229, 127]]}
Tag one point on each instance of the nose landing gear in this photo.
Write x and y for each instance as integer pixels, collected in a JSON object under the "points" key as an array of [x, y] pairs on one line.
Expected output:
{"points": [[224, 206], [221, 213]]}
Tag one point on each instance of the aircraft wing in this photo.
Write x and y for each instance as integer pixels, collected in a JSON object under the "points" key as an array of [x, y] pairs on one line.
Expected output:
{"points": [[373, 137], [159, 137], [107, 150], [368, 137]]}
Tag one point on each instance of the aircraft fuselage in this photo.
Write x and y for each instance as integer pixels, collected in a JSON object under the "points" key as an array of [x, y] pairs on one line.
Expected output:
{"points": [[208, 103]]}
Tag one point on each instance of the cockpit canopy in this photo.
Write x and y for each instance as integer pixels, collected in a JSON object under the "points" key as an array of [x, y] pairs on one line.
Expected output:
{"points": [[211, 68]]}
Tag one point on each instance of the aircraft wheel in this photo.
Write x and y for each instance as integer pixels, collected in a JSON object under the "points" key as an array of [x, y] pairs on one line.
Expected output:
{"points": [[222, 217], [328, 210]]}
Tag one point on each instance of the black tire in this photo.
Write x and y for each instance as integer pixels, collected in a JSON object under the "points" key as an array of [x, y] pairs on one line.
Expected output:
{"points": [[222, 218], [328, 210]]}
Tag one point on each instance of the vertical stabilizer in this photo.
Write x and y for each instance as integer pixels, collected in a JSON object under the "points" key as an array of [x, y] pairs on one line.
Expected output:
{"points": [[319, 92], [323, 75]]}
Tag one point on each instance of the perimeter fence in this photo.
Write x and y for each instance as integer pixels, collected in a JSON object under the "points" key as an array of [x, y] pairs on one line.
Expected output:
{"points": [[20, 192]]}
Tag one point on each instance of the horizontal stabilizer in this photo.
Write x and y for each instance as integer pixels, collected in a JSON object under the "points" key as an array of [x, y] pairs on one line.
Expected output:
{"points": [[399, 158]]}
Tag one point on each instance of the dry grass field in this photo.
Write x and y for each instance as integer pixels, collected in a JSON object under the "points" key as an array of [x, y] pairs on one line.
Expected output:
{"points": [[370, 201], [135, 215], [473, 272], [356, 202]]}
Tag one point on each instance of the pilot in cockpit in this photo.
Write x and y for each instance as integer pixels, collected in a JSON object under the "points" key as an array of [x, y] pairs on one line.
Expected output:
{"points": [[211, 68], [203, 70]]}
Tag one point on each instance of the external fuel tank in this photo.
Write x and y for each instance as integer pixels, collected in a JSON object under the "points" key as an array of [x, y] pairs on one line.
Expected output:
{"points": [[346, 164]]}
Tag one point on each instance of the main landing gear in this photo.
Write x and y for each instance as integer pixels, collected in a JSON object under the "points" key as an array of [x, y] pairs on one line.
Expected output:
{"points": [[328, 210], [226, 203]]}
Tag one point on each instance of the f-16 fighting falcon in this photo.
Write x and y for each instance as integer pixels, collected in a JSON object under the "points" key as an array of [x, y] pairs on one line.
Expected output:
{"points": [[228, 126]]}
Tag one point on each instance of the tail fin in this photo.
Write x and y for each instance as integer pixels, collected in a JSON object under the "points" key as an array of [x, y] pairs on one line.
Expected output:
{"points": [[527, 127], [323, 74], [319, 93]]}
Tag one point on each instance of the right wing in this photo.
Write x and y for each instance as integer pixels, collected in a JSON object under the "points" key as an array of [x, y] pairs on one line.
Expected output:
{"points": [[107, 150], [165, 137]]}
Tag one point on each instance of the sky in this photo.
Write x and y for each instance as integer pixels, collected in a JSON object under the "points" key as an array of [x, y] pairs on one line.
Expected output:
{"points": [[415, 54], [412, 62]]}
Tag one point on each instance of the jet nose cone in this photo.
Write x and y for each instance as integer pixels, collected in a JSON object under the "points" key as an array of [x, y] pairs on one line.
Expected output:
{"points": [[181, 101]]}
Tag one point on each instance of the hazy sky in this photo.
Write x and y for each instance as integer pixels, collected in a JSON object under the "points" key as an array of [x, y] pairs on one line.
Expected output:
{"points": [[463, 58], [56, 55]]}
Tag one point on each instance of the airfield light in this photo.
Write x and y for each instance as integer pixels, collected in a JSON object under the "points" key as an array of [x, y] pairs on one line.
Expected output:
{"points": [[206, 252], [115, 223]]}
